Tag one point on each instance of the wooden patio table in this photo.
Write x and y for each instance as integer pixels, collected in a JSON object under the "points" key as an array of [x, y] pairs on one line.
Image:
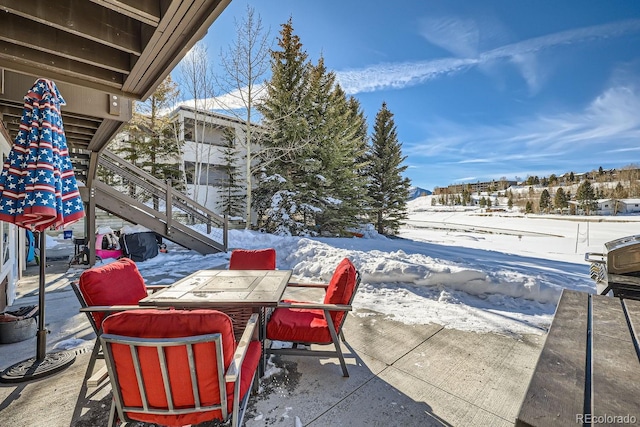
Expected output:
{"points": [[235, 292], [589, 370]]}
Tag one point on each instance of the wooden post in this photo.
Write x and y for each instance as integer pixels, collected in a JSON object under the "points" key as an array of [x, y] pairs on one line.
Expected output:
{"points": [[169, 202], [90, 229], [225, 233]]}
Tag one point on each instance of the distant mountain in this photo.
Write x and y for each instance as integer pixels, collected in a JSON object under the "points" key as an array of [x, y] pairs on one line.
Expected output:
{"points": [[415, 192]]}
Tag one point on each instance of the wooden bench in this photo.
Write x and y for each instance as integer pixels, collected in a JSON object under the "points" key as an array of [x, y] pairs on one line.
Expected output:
{"points": [[589, 369]]}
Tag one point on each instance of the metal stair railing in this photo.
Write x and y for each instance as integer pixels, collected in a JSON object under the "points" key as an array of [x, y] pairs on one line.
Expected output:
{"points": [[177, 205]]}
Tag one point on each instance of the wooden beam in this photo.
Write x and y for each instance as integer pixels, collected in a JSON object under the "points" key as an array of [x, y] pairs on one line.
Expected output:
{"points": [[11, 114], [85, 122], [82, 18], [153, 46], [78, 130], [39, 63], [93, 167], [82, 102], [147, 11], [193, 33], [107, 130], [191, 20], [78, 139], [4, 133], [20, 31]]}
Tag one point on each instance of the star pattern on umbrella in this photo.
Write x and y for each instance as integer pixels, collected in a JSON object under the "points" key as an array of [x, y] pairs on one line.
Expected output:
{"points": [[37, 175]]}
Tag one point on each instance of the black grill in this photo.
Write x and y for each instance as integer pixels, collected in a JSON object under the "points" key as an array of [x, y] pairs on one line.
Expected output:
{"points": [[617, 269]]}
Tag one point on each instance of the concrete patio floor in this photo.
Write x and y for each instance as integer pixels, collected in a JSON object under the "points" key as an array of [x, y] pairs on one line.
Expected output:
{"points": [[401, 375]]}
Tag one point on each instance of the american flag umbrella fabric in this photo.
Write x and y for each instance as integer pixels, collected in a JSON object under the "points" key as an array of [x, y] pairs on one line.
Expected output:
{"points": [[38, 186], [38, 190]]}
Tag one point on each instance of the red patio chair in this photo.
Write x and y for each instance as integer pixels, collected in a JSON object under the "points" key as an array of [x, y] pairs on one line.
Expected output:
{"points": [[247, 259], [178, 367], [104, 290], [257, 259], [312, 323]]}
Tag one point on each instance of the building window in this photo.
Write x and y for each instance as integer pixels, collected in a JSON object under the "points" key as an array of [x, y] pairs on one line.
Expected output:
{"points": [[214, 175]]}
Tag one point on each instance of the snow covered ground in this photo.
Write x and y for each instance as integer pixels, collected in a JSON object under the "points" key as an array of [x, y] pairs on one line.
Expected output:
{"points": [[464, 269]]}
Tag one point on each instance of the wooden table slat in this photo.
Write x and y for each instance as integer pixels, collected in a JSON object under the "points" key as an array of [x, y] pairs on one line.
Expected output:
{"points": [[633, 309], [616, 371], [556, 391], [556, 394]]}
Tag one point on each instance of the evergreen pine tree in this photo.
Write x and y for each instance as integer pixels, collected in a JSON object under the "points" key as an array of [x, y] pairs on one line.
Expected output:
{"points": [[152, 144], [586, 197], [232, 196], [337, 186], [561, 200], [528, 207], [545, 200], [388, 190], [315, 147], [286, 137]]}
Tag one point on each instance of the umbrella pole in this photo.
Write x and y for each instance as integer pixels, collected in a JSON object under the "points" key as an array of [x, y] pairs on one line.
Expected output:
{"points": [[41, 349], [44, 363], [40, 143]]}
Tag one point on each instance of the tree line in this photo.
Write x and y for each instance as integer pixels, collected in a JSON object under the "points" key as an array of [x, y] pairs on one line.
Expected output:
{"points": [[547, 195]]}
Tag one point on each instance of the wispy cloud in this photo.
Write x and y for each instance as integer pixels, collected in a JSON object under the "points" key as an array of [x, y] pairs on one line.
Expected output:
{"points": [[606, 130], [458, 36], [401, 75]]}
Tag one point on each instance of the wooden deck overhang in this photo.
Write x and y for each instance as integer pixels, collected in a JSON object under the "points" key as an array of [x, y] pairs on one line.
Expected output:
{"points": [[102, 54]]}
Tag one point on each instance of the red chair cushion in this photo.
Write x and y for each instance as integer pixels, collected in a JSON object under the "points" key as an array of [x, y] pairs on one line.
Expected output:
{"points": [[173, 324], [258, 259], [309, 325], [341, 288], [298, 325], [342, 283], [117, 283]]}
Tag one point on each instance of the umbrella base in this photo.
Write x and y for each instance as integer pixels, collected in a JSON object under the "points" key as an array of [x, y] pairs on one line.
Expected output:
{"points": [[33, 368]]}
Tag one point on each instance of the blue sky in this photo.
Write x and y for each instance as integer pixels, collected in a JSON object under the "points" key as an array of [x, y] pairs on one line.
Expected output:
{"points": [[479, 90]]}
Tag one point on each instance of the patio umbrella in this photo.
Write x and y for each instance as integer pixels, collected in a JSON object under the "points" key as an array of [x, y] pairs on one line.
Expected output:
{"points": [[38, 190]]}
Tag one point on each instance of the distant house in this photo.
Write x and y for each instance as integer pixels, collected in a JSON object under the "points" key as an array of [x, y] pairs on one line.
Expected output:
{"points": [[476, 187], [614, 206], [607, 207], [630, 205]]}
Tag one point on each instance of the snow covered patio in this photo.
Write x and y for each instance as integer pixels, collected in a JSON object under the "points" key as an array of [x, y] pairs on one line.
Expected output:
{"points": [[494, 293], [402, 375]]}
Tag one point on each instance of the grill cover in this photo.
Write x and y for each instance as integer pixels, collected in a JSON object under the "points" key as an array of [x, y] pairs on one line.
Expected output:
{"points": [[618, 268], [623, 255]]}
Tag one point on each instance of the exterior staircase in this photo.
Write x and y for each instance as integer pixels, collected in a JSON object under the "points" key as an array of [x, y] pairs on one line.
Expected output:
{"points": [[164, 210]]}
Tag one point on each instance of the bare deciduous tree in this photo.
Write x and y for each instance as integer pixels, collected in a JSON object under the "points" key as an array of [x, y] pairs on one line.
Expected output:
{"points": [[197, 83], [244, 63]]}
